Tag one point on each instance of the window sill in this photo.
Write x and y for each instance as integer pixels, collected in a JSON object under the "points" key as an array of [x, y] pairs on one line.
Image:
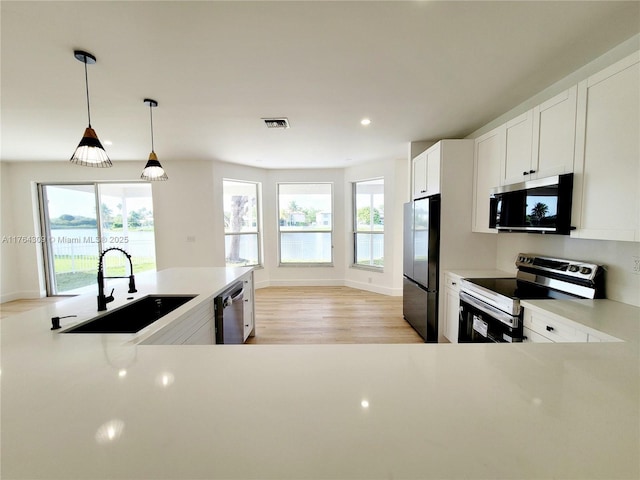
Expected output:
{"points": [[329, 265], [369, 268]]}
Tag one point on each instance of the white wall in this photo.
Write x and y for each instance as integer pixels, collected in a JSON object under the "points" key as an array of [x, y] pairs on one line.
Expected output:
{"points": [[621, 283], [388, 280], [190, 205], [294, 275], [618, 53], [9, 272], [188, 220], [22, 275]]}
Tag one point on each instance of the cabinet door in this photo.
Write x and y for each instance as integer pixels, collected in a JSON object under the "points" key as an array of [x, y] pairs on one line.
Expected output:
{"points": [[451, 314], [433, 169], [517, 160], [606, 202], [249, 318], [487, 158], [554, 127], [420, 175]]}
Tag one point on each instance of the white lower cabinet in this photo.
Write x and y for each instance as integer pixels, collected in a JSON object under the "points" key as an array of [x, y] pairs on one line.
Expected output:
{"points": [[196, 327], [529, 336], [451, 307], [543, 328], [249, 307]]}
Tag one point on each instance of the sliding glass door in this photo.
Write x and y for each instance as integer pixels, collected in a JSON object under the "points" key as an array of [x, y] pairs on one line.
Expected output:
{"points": [[81, 220]]}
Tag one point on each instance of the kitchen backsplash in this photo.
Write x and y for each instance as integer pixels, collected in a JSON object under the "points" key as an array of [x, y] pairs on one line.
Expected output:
{"points": [[619, 258]]}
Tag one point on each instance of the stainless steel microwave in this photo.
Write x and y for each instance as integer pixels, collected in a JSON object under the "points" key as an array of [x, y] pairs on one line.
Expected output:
{"points": [[536, 206]]}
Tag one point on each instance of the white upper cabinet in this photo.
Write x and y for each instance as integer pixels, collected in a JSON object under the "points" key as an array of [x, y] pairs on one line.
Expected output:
{"points": [[540, 142], [606, 202], [488, 157], [516, 166], [419, 175], [426, 172], [554, 128]]}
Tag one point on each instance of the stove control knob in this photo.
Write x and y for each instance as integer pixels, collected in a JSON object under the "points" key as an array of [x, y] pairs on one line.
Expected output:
{"points": [[521, 258], [585, 270], [573, 268]]}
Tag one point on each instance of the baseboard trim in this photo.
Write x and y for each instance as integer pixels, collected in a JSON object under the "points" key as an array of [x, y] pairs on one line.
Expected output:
{"points": [[394, 292], [26, 295]]}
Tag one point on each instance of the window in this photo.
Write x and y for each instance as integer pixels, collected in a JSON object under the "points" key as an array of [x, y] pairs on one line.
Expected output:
{"points": [[368, 220], [305, 223], [241, 223], [81, 220]]}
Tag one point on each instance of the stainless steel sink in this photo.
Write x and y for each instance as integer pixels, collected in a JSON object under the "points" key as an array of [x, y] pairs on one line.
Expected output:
{"points": [[135, 316]]}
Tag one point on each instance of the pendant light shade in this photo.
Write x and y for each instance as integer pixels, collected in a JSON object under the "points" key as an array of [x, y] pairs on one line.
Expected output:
{"points": [[153, 171], [90, 151]]}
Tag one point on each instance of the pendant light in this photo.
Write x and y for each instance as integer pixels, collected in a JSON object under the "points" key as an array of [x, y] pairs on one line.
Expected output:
{"points": [[90, 151], [153, 171]]}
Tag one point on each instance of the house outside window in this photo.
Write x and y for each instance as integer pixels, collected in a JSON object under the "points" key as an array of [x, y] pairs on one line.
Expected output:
{"points": [[305, 223], [241, 223], [368, 223]]}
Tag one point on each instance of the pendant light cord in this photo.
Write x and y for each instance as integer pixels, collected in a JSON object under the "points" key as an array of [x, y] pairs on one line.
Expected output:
{"points": [[86, 83], [151, 116]]}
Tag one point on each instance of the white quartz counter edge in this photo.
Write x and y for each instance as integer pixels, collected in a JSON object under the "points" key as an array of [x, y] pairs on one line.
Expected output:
{"points": [[481, 273], [265, 411], [616, 320], [204, 282]]}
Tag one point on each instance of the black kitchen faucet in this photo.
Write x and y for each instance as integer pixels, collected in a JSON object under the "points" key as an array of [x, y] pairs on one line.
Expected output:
{"points": [[102, 299]]}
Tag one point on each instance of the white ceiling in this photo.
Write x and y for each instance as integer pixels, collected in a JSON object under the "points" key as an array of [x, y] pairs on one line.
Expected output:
{"points": [[419, 70]]}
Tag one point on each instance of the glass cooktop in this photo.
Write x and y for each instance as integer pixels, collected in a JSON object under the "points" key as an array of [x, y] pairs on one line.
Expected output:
{"points": [[518, 289]]}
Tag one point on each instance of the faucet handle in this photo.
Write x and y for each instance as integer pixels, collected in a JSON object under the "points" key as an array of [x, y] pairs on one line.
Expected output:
{"points": [[110, 297]]}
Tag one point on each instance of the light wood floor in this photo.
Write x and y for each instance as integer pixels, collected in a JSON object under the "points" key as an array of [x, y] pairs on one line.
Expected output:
{"points": [[297, 315], [311, 315], [19, 306]]}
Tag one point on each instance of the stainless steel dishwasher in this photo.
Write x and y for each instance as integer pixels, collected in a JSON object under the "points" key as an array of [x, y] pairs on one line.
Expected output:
{"points": [[229, 308]]}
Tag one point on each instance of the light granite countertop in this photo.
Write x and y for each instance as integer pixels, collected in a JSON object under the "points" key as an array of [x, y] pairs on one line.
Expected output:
{"points": [[105, 406]]}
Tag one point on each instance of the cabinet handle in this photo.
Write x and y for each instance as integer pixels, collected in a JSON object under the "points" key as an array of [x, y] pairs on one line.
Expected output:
{"points": [[525, 173], [453, 283], [532, 171], [549, 328]]}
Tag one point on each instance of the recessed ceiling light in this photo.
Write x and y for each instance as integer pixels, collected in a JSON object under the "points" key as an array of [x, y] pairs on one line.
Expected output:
{"points": [[365, 121]]}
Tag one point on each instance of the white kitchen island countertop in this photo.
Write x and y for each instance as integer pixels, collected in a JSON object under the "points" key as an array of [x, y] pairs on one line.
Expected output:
{"points": [[105, 406]]}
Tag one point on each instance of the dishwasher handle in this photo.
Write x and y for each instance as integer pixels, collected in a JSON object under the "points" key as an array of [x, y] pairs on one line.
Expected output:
{"points": [[234, 297]]}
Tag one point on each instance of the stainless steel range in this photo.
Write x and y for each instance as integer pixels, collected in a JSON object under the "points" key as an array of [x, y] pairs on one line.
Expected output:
{"points": [[490, 308]]}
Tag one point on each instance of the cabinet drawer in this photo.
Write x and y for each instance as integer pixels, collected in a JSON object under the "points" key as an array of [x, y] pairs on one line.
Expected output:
{"points": [[529, 336], [552, 329]]}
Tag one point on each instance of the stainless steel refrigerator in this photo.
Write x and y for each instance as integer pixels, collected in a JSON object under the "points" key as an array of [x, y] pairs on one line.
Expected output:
{"points": [[420, 266]]}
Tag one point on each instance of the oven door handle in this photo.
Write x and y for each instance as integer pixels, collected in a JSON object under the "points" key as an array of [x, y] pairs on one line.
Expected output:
{"points": [[489, 310]]}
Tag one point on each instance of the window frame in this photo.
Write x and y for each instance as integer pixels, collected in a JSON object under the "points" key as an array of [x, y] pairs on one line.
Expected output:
{"points": [[44, 225], [356, 230], [257, 233], [330, 263]]}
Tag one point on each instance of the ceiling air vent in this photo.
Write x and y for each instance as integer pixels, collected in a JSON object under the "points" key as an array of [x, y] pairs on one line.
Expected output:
{"points": [[282, 122]]}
